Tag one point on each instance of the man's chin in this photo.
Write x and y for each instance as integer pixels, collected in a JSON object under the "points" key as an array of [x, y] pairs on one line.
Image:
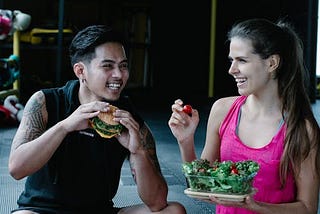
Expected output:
{"points": [[112, 97]]}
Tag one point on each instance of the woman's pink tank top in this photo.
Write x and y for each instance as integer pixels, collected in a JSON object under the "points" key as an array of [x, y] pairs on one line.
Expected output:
{"points": [[266, 182]]}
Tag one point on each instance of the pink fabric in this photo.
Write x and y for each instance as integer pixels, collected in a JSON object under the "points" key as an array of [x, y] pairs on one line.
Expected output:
{"points": [[267, 180]]}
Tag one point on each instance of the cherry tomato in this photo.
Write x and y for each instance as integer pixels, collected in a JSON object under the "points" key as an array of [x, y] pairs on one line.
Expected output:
{"points": [[234, 170], [187, 109]]}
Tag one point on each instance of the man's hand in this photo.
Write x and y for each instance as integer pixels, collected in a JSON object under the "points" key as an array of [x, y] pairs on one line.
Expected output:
{"points": [[79, 119], [129, 137]]}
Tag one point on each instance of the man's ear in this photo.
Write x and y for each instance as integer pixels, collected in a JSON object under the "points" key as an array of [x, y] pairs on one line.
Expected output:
{"points": [[274, 62], [78, 69]]}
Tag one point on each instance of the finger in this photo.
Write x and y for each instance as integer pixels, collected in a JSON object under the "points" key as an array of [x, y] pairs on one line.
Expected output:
{"points": [[94, 107], [130, 123], [92, 114], [178, 101], [176, 122], [176, 107], [125, 115], [180, 117], [176, 118], [121, 113], [84, 112], [195, 112]]}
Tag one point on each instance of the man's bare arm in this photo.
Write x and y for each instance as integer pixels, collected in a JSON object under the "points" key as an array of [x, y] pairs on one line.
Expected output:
{"points": [[31, 149], [34, 121], [146, 171]]}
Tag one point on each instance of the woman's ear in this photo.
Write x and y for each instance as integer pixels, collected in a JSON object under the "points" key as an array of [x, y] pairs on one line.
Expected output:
{"points": [[78, 69], [274, 62]]}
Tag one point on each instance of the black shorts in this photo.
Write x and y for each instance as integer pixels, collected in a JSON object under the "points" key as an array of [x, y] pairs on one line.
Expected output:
{"points": [[41, 210]]}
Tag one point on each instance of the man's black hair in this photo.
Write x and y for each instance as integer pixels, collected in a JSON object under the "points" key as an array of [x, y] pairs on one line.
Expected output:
{"points": [[83, 45]]}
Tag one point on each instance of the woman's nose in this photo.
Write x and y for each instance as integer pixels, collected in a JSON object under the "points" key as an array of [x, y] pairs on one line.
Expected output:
{"points": [[233, 68]]}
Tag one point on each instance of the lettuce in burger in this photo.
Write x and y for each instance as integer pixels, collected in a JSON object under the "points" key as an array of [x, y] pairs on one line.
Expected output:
{"points": [[104, 124]]}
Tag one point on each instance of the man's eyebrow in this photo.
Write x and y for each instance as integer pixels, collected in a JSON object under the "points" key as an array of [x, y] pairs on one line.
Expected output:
{"points": [[108, 60], [112, 61]]}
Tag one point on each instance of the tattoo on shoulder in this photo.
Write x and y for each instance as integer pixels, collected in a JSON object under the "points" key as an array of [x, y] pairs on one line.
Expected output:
{"points": [[33, 123]]}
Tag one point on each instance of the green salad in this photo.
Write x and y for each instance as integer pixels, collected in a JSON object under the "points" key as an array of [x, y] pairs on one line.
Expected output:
{"points": [[221, 177]]}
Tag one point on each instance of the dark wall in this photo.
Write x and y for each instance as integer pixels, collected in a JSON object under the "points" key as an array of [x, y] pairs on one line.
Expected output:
{"points": [[181, 36], [180, 48], [180, 40], [302, 14]]}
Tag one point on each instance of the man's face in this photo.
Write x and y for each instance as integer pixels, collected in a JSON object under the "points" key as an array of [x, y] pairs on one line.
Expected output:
{"points": [[107, 73]]}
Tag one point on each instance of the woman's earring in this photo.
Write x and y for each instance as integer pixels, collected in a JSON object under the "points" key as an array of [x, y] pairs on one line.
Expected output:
{"points": [[83, 80]]}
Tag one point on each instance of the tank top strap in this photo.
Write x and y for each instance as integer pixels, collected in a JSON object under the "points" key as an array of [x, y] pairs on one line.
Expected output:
{"points": [[233, 114]]}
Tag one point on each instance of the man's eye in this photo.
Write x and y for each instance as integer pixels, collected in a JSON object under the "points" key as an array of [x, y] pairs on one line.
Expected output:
{"points": [[108, 66], [123, 66]]}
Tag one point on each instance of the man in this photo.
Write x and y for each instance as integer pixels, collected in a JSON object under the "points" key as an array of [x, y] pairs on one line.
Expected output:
{"points": [[71, 168]]}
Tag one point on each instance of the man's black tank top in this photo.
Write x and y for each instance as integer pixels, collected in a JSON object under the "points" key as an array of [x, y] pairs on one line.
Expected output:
{"points": [[84, 172]]}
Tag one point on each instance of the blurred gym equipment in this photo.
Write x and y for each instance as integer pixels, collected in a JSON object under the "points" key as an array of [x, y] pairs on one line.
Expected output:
{"points": [[11, 23]]}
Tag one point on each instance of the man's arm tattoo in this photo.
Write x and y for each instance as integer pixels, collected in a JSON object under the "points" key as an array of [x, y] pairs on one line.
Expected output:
{"points": [[33, 123], [149, 144]]}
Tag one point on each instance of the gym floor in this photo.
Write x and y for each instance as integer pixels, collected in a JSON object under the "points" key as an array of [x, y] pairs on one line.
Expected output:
{"points": [[168, 154]]}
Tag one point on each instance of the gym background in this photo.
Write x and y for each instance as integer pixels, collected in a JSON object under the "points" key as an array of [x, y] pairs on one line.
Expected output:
{"points": [[177, 49]]}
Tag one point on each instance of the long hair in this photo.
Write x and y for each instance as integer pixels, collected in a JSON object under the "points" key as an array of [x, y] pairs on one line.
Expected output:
{"points": [[303, 133]]}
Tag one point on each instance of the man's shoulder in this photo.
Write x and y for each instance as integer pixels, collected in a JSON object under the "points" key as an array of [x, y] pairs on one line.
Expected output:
{"points": [[71, 84]]}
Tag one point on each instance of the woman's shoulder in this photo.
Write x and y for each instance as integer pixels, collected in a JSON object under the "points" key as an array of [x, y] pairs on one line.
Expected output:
{"points": [[221, 107], [225, 103]]}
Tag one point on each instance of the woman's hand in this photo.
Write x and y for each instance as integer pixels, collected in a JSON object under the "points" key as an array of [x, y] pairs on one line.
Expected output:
{"points": [[248, 202], [183, 125]]}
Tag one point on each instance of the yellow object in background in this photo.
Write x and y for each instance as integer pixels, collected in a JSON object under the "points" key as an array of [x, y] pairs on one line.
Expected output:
{"points": [[42, 35]]}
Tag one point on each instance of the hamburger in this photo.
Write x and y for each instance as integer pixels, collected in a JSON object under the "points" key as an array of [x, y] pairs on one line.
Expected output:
{"points": [[104, 124]]}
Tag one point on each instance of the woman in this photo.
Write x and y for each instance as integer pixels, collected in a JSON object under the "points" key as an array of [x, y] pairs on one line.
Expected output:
{"points": [[271, 122]]}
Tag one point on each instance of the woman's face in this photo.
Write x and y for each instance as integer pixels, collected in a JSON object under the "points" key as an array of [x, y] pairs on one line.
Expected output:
{"points": [[251, 73], [107, 73]]}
